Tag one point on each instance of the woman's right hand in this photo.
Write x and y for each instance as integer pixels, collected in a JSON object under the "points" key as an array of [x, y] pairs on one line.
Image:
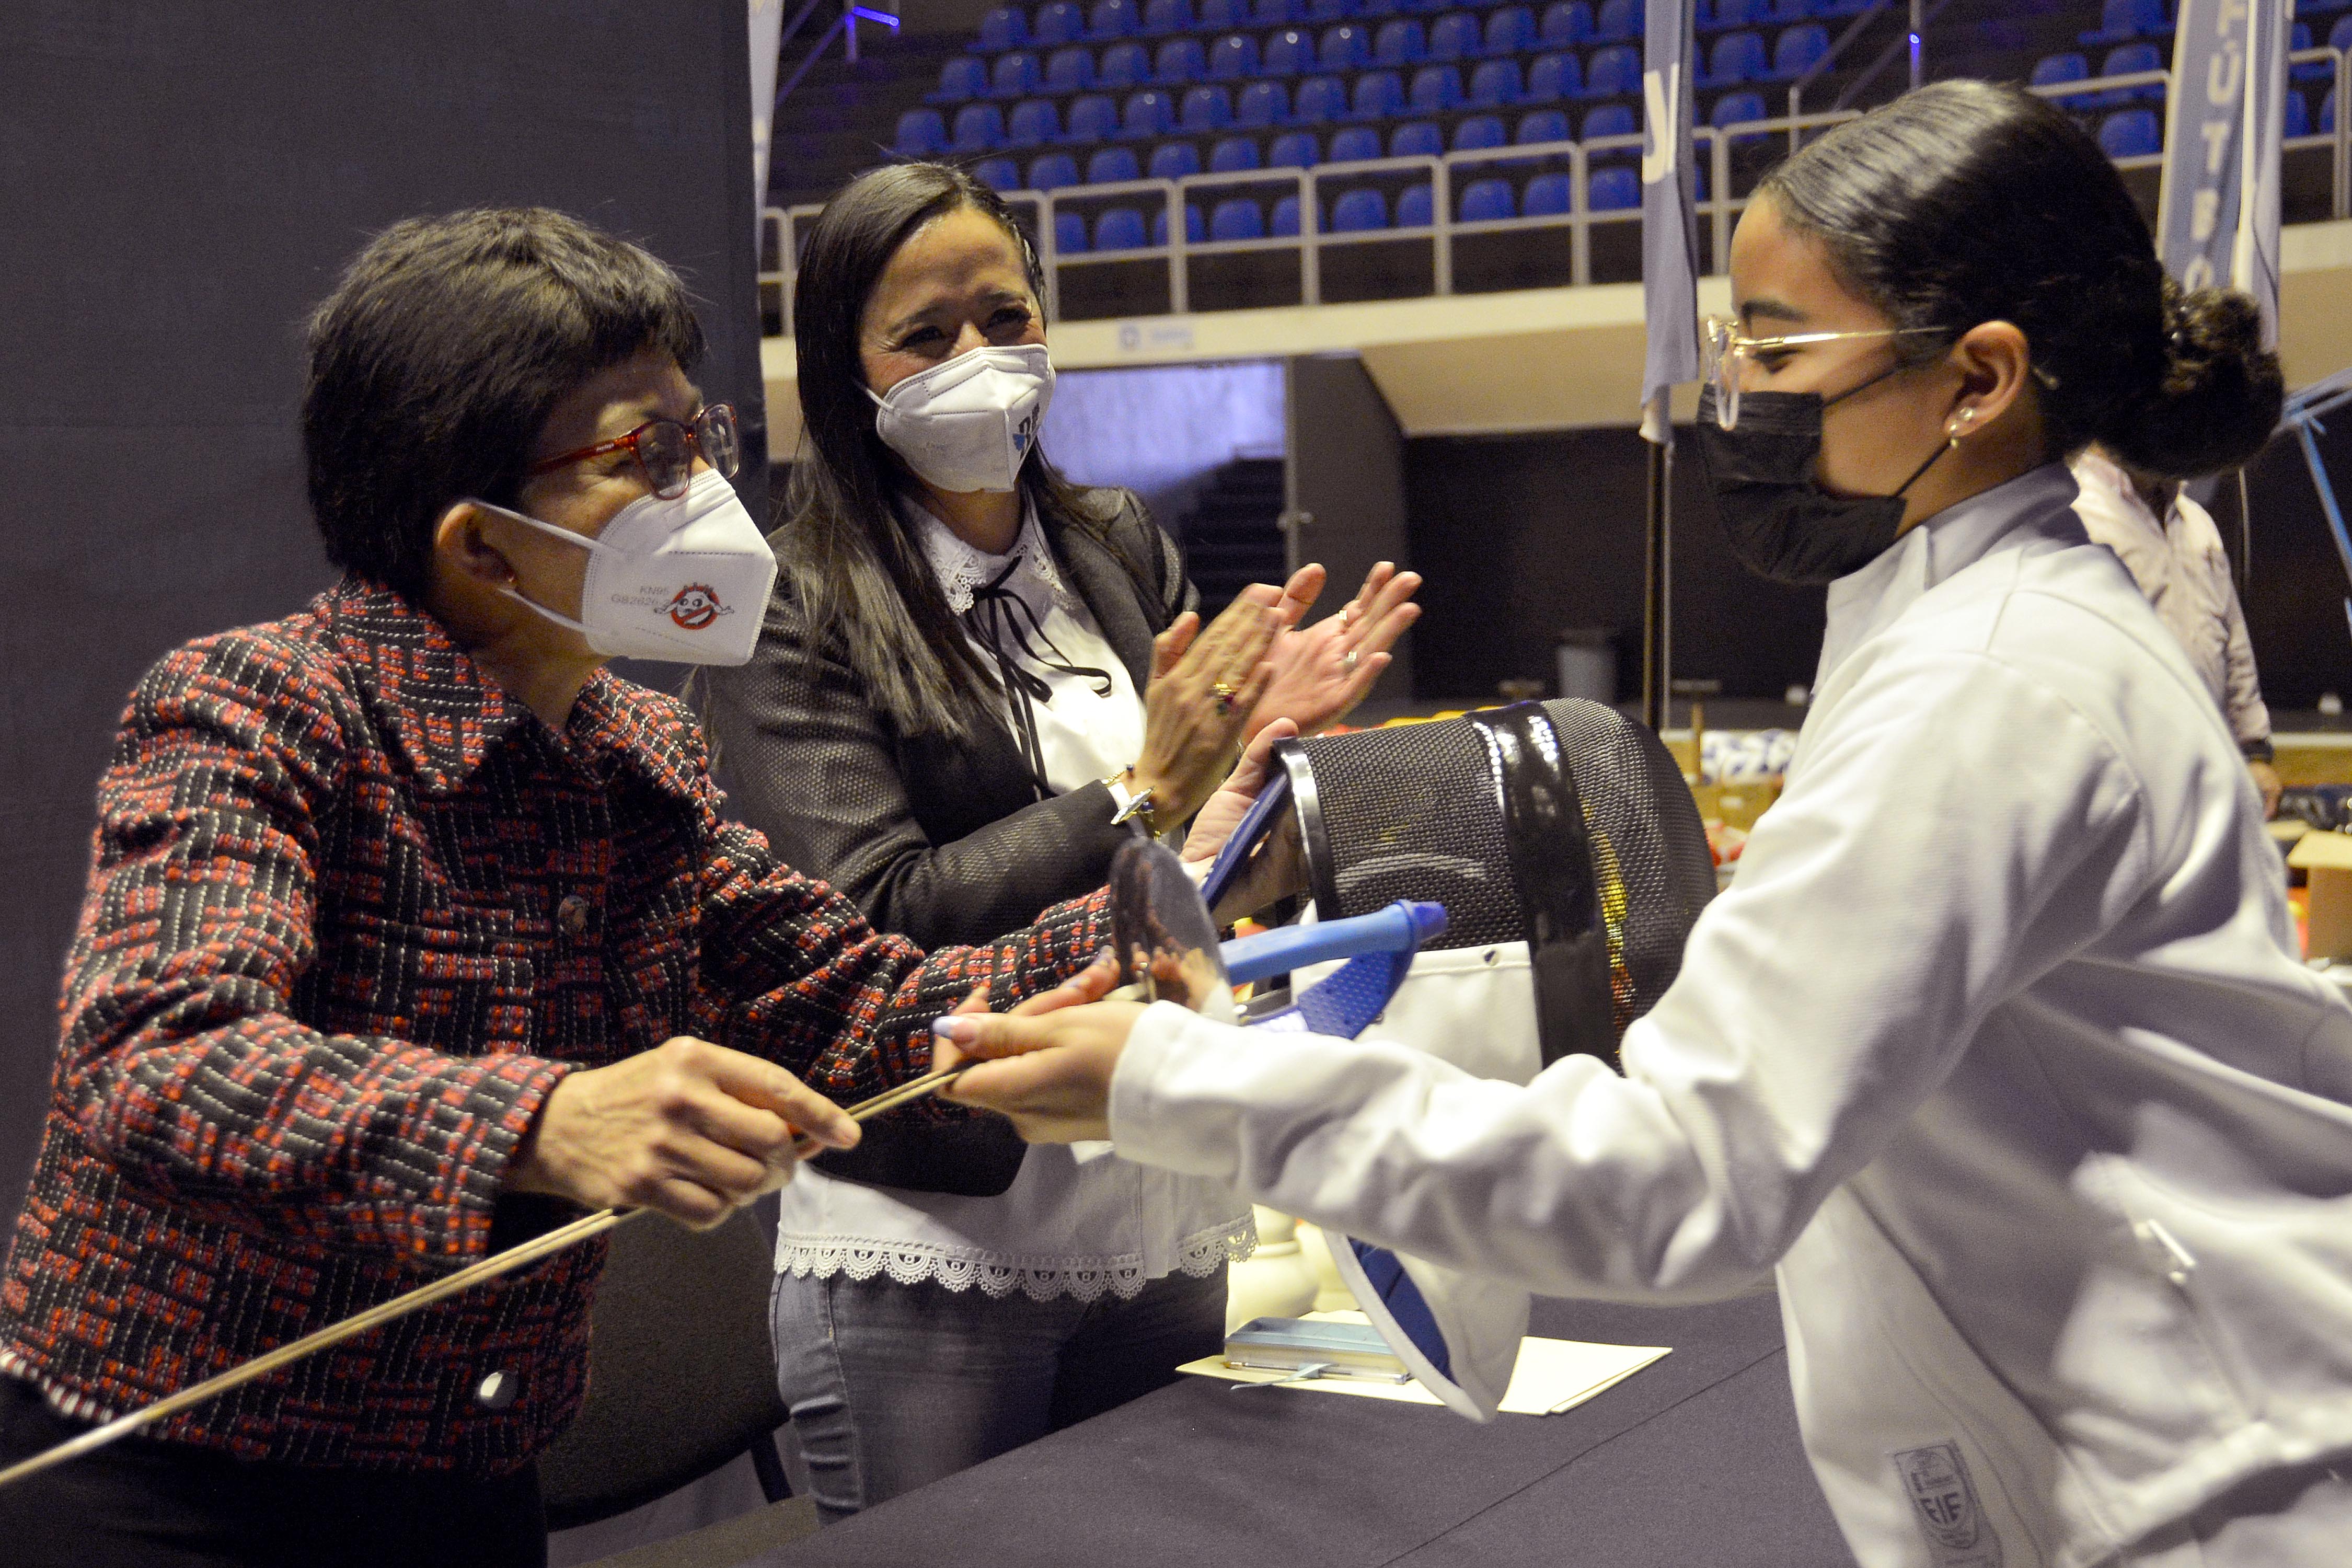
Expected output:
{"points": [[1192, 731]]}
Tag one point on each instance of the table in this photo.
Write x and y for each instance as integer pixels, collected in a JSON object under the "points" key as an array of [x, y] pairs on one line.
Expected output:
{"points": [[1695, 1460]]}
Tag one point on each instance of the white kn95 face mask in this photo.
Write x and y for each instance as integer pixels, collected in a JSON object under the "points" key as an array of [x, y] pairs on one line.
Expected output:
{"points": [[968, 423], [684, 580]]}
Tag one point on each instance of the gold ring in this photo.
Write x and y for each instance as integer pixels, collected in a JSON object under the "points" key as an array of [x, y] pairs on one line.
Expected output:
{"points": [[1225, 692]]}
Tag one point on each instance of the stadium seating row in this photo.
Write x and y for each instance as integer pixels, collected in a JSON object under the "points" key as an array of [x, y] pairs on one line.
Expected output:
{"points": [[1365, 211], [1063, 22], [1381, 96], [1457, 37]]}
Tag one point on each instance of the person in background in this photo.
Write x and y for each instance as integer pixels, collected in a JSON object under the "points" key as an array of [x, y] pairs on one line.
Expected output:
{"points": [[976, 681], [2174, 553], [412, 931]]}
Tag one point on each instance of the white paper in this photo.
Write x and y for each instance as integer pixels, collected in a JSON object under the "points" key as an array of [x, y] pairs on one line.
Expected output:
{"points": [[1551, 1375]]}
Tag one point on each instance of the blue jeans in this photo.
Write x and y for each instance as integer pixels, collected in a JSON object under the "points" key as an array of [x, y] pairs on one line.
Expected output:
{"points": [[893, 1385]]}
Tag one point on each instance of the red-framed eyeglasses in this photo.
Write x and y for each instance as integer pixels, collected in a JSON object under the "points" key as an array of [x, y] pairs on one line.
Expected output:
{"points": [[666, 449]]}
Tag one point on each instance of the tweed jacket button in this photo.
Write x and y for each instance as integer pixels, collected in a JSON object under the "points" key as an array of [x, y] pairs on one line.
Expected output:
{"points": [[497, 1391], [572, 914]]}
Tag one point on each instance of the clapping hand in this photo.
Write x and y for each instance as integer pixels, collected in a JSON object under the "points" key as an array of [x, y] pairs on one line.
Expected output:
{"points": [[1322, 671]]}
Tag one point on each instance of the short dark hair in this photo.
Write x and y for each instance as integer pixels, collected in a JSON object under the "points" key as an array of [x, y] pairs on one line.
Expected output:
{"points": [[436, 360], [857, 566], [1963, 203]]}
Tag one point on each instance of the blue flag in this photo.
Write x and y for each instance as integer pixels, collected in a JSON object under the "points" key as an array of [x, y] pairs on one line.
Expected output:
{"points": [[2218, 220], [1669, 224]]}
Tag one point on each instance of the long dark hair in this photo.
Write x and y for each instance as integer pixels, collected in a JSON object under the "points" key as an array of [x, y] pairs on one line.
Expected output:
{"points": [[1963, 203], [858, 572]]}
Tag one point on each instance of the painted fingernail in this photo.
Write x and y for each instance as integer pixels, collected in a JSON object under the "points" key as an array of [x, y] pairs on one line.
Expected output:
{"points": [[962, 1031]]}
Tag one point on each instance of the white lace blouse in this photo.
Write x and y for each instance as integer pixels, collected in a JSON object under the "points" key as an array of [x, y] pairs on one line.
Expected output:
{"points": [[1076, 1221]]}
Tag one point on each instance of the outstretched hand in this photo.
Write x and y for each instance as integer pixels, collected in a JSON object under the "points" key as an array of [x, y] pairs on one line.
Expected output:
{"points": [[1050, 1073]]}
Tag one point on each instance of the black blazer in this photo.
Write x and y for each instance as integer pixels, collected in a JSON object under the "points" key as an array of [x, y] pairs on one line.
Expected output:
{"points": [[941, 840]]}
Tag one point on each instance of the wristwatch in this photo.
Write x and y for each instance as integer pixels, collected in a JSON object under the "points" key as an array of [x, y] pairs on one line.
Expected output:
{"points": [[1134, 806]]}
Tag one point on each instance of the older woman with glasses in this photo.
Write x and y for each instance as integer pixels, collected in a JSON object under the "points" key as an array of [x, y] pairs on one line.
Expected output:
{"points": [[976, 680], [412, 931]]}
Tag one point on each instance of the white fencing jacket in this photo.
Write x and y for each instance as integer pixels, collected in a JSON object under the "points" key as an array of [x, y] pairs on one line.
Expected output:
{"points": [[1997, 1047]]}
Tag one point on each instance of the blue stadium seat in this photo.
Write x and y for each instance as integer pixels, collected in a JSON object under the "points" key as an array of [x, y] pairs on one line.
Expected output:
{"points": [[1319, 100], [1175, 161], [1737, 57], [1034, 123], [1400, 43], [2339, 37], [1787, 13], [1233, 155], [1293, 150], [1360, 212], [1232, 58], [1326, 11], [1113, 20], [1205, 109], [1053, 171], [2130, 133], [1416, 207], [1436, 89], [2318, 7], [1548, 196], [1538, 125], [1798, 49], [1287, 53], [1728, 14], [1273, 14], [1356, 144], [1196, 227], [998, 173], [1016, 75], [1124, 65], [2127, 59], [1070, 233], [1616, 189], [1061, 22], [1179, 63], [922, 134], [2124, 19], [1150, 113], [1380, 95], [1261, 105], [1737, 109], [1093, 118], [1416, 138], [1608, 119], [2309, 70], [1222, 15], [1237, 217], [1119, 229], [979, 128], [1162, 16], [1486, 201], [1284, 222], [1617, 21], [1344, 48], [959, 80], [1612, 72], [1495, 84], [1001, 28], [1454, 37], [1479, 133], [1554, 76], [2297, 116], [1566, 23], [1071, 69], [1510, 30], [2051, 69], [1111, 165]]}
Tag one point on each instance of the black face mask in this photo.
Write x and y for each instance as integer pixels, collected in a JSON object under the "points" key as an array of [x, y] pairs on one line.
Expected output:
{"points": [[1781, 522]]}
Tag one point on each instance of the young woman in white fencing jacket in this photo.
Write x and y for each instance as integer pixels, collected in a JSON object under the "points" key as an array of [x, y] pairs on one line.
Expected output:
{"points": [[1998, 1048]]}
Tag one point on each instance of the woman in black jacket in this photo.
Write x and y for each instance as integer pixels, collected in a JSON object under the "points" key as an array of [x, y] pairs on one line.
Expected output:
{"points": [[974, 680]]}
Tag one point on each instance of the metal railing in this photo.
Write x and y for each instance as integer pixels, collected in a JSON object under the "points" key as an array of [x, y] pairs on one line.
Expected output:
{"points": [[1446, 173]]}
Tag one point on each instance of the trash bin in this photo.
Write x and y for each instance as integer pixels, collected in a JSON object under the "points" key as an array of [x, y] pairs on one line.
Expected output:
{"points": [[1588, 663]]}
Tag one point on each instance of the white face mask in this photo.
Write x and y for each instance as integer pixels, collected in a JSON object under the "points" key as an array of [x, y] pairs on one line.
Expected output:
{"points": [[684, 580], [968, 423]]}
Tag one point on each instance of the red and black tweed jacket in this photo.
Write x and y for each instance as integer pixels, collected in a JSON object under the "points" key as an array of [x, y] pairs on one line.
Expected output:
{"points": [[352, 914]]}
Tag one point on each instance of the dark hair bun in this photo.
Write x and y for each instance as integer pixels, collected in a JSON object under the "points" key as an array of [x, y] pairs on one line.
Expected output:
{"points": [[2220, 396]]}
